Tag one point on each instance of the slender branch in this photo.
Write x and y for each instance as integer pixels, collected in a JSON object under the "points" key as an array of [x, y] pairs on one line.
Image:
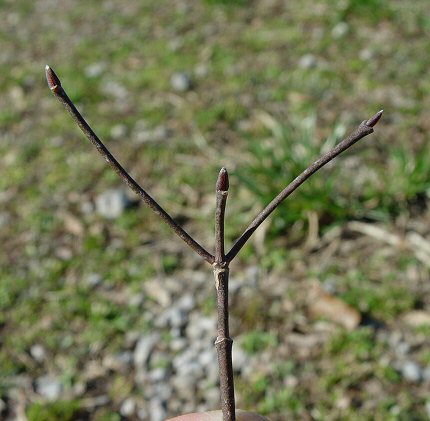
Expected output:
{"points": [[365, 128], [224, 344], [54, 84], [222, 186]]}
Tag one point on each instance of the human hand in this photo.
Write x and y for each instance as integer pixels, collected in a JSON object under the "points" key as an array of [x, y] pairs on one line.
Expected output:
{"points": [[217, 416]]}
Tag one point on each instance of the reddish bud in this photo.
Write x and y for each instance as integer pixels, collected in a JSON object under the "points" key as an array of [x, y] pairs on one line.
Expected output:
{"points": [[52, 79], [373, 120], [222, 183]]}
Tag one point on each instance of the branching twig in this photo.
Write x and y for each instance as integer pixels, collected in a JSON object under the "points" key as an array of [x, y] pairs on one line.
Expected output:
{"points": [[55, 86], [220, 261], [364, 129]]}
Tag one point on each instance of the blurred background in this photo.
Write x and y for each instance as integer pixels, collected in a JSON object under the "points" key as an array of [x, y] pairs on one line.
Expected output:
{"points": [[105, 315]]}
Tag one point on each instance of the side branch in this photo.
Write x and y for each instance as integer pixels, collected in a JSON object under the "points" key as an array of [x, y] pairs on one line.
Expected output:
{"points": [[56, 88], [365, 128], [221, 199]]}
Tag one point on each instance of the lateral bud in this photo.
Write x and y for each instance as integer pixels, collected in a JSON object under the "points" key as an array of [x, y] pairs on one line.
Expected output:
{"points": [[53, 81], [222, 183]]}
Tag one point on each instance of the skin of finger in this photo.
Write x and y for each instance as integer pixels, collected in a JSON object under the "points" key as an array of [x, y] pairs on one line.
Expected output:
{"points": [[217, 416]]}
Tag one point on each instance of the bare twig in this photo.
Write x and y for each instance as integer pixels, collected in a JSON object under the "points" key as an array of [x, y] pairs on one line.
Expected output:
{"points": [[54, 84], [219, 261], [364, 129], [223, 341], [224, 344], [222, 186]]}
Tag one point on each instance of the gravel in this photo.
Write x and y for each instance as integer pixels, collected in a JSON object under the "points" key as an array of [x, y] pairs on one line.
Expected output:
{"points": [[411, 371], [49, 387], [128, 407], [144, 348], [38, 353], [112, 203], [181, 81]]}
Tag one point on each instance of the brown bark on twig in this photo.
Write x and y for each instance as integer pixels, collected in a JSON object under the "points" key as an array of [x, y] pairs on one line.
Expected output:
{"points": [[223, 341], [222, 186], [364, 129], [220, 261], [55, 86], [224, 344]]}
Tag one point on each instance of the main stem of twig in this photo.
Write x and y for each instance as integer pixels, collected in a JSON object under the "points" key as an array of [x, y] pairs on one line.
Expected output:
{"points": [[223, 341], [224, 344]]}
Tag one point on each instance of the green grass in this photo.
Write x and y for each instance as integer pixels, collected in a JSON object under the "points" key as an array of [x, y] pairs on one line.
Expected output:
{"points": [[255, 342], [61, 410]]}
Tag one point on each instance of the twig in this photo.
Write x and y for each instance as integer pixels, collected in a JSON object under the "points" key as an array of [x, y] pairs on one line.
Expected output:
{"points": [[220, 261], [222, 186], [54, 84], [224, 344], [223, 341], [364, 129]]}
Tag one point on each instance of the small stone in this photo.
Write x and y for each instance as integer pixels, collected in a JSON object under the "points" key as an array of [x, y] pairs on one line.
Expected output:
{"points": [[128, 407], [178, 344], [181, 81], [112, 203], [307, 61], [174, 317], [366, 54], [340, 30], [411, 371], [95, 69], [207, 357], [291, 381], [322, 304], [426, 374], [402, 349], [343, 403], [144, 348], [119, 362], [240, 359], [201, 70], [184, 387], [212, 397], [178, 318], [49, 387], [187, 302], [144, 134], [158, 374], [72, 224], [142, 414], [136, 300], [93, 279], [156, 291], [118, 131], [114, 89], [87, 207], [201, 327], [416, 318], [163, 391], [157, 411], [38, 353]]}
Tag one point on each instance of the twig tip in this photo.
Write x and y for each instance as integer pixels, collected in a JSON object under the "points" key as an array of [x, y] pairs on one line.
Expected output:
{"points": [[222, 183], [373, 120], [53, 81]]}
